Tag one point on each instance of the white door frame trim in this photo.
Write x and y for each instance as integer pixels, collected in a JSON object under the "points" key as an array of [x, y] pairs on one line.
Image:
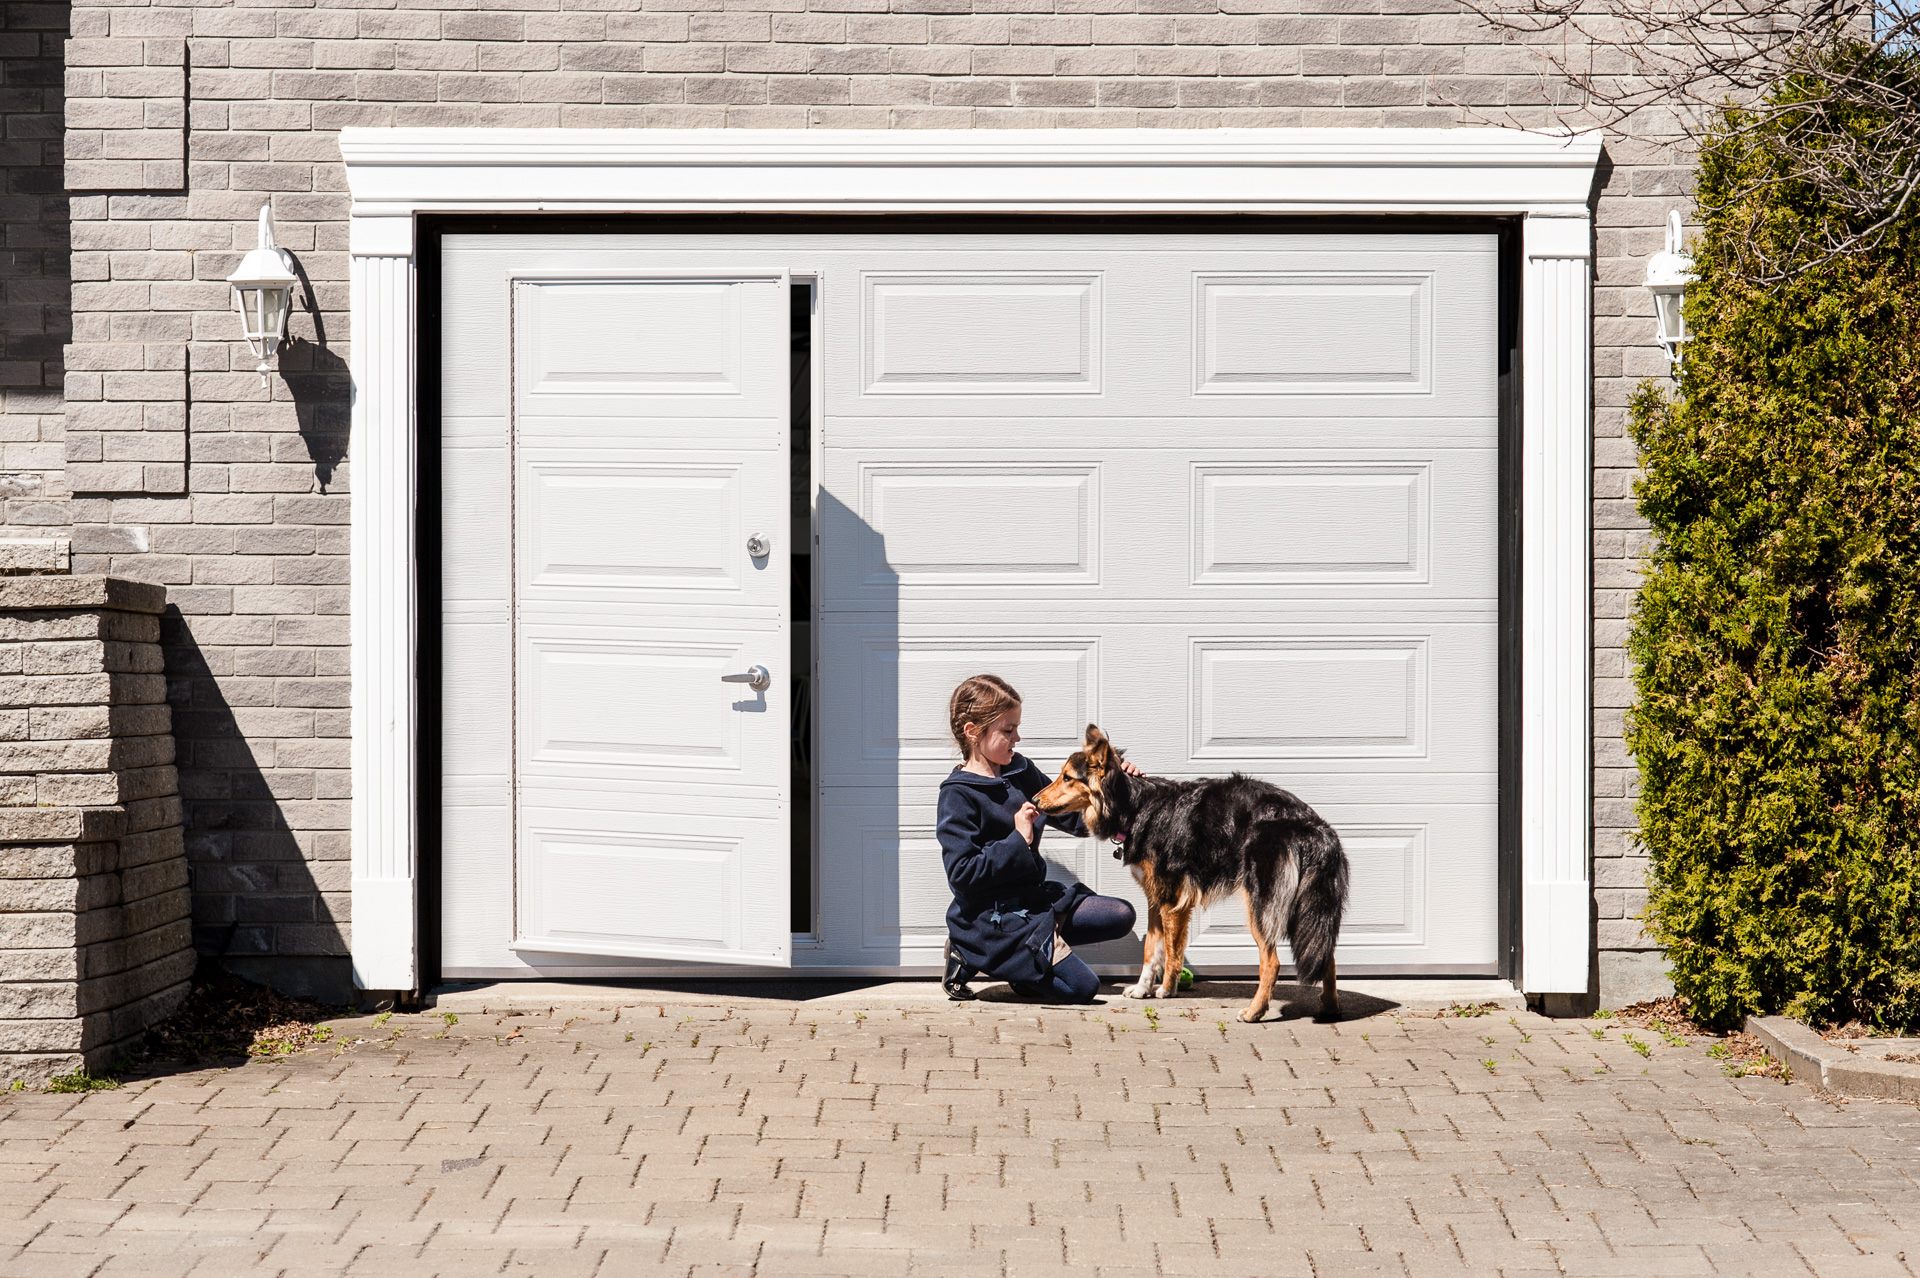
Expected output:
{"points": [[394, 175]]}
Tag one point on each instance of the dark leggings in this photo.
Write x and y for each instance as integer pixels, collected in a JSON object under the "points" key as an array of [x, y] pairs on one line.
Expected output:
{"points": [[1095, 918]]}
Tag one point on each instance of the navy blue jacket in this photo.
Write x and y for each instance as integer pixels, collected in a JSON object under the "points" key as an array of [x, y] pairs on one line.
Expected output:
{"points": [[1004, 906]]}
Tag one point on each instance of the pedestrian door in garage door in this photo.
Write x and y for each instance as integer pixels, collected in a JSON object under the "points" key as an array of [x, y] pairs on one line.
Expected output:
{"points": [[609, 624]]}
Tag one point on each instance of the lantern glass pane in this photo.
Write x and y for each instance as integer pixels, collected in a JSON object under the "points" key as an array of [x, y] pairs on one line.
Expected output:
{"points": [[1672, 325]]}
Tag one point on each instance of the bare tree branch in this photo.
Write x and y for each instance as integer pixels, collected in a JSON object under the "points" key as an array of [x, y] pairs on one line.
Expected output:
{"points": [[1810, 72]]}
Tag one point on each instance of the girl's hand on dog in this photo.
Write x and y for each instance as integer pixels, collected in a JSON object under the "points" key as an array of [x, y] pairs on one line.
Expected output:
{"points": [[1126, 766], [1023, 820]]}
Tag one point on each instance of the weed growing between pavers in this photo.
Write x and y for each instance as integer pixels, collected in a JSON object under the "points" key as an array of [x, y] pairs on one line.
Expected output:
{"points": [[81, 1081], [1740, 1054]]}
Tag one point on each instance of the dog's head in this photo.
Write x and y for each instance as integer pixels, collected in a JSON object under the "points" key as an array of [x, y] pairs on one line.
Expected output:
{"points": [[1091, 783]]}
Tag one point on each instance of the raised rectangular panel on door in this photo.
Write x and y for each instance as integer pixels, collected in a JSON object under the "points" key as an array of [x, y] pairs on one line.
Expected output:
{"points": [[651, 778], [1305, 332]]}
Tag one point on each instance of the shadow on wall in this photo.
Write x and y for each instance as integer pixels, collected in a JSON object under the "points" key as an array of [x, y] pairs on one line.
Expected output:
{"points": [[262, 890], [862, 832], [322, 390]]}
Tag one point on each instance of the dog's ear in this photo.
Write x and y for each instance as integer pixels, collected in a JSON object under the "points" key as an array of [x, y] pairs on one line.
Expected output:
{"points": [[1094, 735]]}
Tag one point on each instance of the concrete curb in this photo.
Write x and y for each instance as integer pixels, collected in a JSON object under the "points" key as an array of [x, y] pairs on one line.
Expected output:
{"points": [[1368, 996], [1832, 1067]]}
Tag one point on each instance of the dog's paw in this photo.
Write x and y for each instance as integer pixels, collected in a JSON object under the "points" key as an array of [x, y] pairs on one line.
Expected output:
{"points": [[1142, 991], [1248, 1015]]}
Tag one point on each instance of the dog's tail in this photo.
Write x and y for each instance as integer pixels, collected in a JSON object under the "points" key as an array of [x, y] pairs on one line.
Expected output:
{"points": [[1319, 899]]}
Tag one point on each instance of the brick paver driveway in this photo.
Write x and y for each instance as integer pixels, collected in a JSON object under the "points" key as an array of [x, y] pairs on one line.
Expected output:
{"points": [[781, 1139]]}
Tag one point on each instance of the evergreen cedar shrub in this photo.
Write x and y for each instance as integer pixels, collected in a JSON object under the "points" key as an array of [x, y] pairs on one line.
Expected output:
{"points": [[1776, 641]]}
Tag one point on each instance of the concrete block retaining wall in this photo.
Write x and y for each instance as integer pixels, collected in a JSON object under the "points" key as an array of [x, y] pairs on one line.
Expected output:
{"points": [[95, 938]]}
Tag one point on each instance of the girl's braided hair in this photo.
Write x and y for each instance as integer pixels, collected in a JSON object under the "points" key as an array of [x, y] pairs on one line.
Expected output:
{"points": [[978, 701]]}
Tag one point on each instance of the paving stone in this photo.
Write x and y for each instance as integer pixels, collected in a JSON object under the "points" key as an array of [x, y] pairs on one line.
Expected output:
{"points": [[926, 1147]]}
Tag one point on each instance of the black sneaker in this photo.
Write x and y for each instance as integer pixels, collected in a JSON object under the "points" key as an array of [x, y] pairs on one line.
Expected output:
{"points": [[958, 974]]}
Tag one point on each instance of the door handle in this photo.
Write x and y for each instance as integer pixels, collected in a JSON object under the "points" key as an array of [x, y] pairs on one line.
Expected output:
{"points": [[755, 677]]}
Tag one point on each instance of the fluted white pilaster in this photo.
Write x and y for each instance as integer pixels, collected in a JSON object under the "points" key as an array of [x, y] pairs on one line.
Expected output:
{"points": [[381, 599], [1556, 602]]}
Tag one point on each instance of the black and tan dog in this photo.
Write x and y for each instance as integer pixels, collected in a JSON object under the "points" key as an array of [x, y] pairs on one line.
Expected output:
{"points": [[1191, 843]]}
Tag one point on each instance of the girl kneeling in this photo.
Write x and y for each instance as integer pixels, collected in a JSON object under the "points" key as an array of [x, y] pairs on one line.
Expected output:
{"points": [[1008, 919]]}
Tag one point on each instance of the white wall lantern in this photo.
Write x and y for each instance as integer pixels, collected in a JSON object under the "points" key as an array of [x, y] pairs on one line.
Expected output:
{"points": [[1668, 274], [263, 287]]}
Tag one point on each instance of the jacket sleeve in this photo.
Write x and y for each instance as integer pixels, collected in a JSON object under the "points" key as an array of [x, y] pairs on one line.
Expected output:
{"points": [[972, 865], [1030, 780]]}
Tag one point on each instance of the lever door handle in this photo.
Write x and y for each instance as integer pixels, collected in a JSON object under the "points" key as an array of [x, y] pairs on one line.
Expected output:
{"points": [[755, 677]]}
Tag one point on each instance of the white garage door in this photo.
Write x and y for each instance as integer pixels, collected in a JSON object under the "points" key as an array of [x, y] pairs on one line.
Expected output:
{"points": [[1232, 496]]}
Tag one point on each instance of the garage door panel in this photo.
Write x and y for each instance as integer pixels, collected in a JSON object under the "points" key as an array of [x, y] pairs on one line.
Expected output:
{"points": [[476, 903], [1414, 868], [642, 348], [1417, 878], [985, 522], [1305, 332], [1117, 529], [1388, 702], [645, 704], [617, 524], [882, 705], [604, 883], [642, 522], [886, 903], [1121, 431], [474, 534], [1319, 787], [477, 708]]}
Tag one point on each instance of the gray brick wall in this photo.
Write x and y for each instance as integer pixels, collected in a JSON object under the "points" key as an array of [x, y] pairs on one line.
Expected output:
{"points": [[186, 472]]}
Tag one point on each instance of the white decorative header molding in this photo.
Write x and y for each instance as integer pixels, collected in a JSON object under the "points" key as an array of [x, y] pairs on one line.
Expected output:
{"points": [[396, 173], [1546, 179]]}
